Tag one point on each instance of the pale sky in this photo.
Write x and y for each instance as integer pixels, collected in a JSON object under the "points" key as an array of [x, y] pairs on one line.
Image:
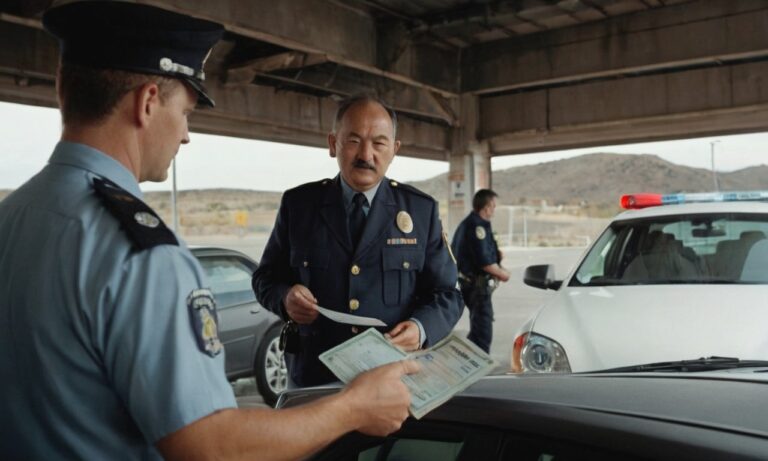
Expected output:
{"points": [[28, 135]]}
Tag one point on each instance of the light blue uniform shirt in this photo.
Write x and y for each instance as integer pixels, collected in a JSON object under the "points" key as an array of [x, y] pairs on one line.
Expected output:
{"points": [[98, 359]]}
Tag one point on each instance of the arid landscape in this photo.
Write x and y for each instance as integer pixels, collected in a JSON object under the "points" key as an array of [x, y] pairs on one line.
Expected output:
{"points": [[560, 203]]}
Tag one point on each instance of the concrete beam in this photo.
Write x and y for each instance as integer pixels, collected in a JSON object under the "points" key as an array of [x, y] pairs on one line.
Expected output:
{"points": [[346, 36], [405, 52], [302, 25], [676, 105], [247, 71], [333, 80], [745, 119], [22, 90], [34, 53], [701, 102], [260, 112], [696, 33]]}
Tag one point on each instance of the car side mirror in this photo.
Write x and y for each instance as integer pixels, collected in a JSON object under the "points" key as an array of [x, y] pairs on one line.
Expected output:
{"points": [[541, 276]]}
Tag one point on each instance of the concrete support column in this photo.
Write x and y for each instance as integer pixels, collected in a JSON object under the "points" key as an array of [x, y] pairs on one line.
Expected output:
{"points": [[469, 163]]}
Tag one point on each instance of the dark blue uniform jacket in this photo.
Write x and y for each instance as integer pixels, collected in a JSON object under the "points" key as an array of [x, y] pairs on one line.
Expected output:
{"points": [[474, 245], [392, 275]]}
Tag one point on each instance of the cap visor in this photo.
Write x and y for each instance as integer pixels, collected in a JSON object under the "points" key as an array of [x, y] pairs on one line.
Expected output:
{"points": [[202, 97]]}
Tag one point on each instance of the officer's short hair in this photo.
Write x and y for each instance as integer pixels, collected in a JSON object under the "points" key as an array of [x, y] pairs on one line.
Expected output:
{"points": [[346, 103], [482, 198], [88, 95]]}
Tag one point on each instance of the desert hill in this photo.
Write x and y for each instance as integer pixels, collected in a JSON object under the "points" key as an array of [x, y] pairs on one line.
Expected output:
{"points": [[600, 179], [593, 181]]}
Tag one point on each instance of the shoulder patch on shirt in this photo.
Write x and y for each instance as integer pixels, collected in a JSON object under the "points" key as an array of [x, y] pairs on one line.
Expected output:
{"points": [[143, 226], [204, 318], [480, 232]]}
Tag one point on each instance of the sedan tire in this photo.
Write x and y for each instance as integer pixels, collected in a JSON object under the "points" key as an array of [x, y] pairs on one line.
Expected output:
{"points": [[269, 366]]}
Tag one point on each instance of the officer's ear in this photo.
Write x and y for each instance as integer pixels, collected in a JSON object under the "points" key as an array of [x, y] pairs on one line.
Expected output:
{"points": [[397, 146], [147, 98], [332, 144]]}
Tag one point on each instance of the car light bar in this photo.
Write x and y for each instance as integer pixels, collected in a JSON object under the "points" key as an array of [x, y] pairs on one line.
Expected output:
{"points": [[637, 201]]}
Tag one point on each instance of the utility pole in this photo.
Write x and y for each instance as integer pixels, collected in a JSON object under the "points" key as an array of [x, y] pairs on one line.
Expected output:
{"points": [[712, 156], [174, 206]]}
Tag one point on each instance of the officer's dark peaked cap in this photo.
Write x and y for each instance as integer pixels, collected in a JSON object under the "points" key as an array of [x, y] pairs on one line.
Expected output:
{"points": [[134, 37]]}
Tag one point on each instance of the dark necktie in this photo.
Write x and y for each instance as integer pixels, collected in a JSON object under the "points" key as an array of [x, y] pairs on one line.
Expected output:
{"points": [[357, 218]]}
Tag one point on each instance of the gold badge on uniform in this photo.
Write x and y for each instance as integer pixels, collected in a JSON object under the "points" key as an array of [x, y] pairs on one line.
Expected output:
{"points": [[404, 222], [480, 232]]}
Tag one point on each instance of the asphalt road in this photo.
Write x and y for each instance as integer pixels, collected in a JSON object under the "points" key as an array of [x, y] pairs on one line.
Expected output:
{"points": [[514, 302]]}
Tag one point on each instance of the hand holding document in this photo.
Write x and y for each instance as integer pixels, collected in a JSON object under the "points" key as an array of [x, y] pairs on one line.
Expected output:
{"points": [[449, 367]]}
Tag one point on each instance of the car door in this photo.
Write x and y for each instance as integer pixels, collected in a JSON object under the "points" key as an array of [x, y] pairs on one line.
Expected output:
{"points": [[240, 315]]}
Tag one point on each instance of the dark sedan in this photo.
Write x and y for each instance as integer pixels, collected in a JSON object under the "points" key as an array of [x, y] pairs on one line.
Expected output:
{"points": [[712, 415], [250, 333]]}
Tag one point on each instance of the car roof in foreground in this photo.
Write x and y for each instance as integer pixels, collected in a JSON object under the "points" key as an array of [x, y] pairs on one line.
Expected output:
{"points": [[694, 208], [710, 414]]}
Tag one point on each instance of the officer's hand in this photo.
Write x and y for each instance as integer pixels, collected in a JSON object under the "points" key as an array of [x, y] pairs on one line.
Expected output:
{"points": [[405, 335], [380, 399], [300, 304]]}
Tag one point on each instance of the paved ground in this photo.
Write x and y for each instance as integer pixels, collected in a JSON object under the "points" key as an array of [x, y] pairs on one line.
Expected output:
{"points": [[514, 302]]}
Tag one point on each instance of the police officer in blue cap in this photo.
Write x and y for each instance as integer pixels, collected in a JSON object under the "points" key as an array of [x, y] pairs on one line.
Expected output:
{"points": [[479, 258], [108, 340], [360, 244]]}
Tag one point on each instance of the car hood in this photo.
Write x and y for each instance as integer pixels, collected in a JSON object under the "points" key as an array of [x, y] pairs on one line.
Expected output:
{"points": [[608, 327]]}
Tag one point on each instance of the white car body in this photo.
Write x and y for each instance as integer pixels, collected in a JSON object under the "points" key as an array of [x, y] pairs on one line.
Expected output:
{"points": [[604, 327]]}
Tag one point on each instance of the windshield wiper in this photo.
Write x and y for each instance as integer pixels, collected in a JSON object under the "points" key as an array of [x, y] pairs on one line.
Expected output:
{"points": [[702, 364]]}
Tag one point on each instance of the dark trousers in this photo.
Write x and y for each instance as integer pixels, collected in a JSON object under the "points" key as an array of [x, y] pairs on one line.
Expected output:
{"points": [[478, 301]]}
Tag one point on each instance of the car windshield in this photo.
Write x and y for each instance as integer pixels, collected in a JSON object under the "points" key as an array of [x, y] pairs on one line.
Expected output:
{"points": [[722, 248]]}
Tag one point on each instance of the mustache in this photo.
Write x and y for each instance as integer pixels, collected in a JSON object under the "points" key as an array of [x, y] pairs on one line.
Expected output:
{"points": [[364, 165]]}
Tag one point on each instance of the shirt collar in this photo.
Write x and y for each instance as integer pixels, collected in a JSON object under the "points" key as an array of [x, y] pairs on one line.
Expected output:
{"points": [[349, 193], [87, 158]]}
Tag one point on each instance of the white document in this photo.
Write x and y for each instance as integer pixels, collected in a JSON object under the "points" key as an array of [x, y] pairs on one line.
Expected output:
{"points": [[449, 367], [341, 317]]}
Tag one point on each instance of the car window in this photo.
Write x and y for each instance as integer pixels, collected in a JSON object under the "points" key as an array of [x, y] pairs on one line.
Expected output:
{"points": [[229, 278], [708, 248], [594, 264]]}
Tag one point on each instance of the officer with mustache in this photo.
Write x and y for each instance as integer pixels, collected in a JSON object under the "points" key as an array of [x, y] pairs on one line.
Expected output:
{"points": [[361, 244]]}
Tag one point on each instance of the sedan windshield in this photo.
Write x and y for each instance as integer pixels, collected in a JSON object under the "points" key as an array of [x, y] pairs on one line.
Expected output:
{"points": [[713, 248]]}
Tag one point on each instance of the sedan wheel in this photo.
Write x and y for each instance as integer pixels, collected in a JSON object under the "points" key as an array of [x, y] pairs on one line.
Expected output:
{"points": [[269, 366]]}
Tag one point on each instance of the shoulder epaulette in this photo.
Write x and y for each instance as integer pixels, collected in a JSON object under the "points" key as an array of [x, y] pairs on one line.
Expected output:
{"points": [[313, 185], [406, 187], [143, 226]]}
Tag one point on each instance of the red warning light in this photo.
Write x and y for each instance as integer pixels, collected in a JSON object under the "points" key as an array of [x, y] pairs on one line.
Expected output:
{"points": [[636, 201]]}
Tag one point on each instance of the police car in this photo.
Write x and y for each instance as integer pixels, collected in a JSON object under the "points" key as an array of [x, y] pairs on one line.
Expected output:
{"points": [[674, 278]]}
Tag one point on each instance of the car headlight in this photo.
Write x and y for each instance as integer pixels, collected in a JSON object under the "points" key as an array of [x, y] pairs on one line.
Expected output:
{"points": [[534, 353]]}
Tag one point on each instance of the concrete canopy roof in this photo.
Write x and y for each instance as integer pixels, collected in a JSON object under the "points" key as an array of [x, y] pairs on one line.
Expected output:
{"points": [[531, 74]]}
